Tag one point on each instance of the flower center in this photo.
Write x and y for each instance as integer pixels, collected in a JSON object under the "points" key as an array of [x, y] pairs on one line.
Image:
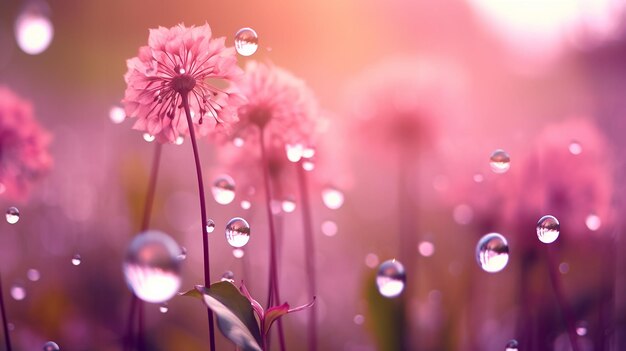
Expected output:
{"points": [[260, 116], [183, 83]]}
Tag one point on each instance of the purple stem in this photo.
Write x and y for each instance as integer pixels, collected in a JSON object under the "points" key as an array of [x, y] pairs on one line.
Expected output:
{"points": [[309, 254], [273, 294], [566, 310], [128, 339], [5, 325], [205, 234]]}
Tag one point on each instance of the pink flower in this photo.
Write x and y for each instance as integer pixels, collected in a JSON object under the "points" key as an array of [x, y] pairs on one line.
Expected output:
{"points": [[178, 62], [24, 156]]}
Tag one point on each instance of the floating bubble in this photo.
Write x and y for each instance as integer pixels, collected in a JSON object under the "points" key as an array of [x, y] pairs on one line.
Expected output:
{"points": [[329, 228], [76, 260], [246, 41], [237, 232], [492, 252], [294, 152], [13, 215], [223, 189], [593, 222], [163, 308], [238, 253], [390, 278], [51, 346], [210, 226], [426, 248], [148, 137], [332, 198], [288, 205], [500, 161], [512, 345], [575, 148], [548, 229], [33, 275], [33, 31], [117, 114], [152, 267], [228, 276], [18, 292]]}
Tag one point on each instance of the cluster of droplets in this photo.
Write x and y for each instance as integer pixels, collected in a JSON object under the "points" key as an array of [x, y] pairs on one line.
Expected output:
{"points": [[390, 278], [492, 252]]}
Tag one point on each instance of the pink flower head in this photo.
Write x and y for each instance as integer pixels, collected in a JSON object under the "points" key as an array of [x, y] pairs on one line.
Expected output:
{"points": [[24, 156], [178, 63]]}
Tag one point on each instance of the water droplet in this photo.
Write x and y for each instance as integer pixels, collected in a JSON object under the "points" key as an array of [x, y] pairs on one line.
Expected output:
{"points": [[76, 260], [246, 41], [237, 232], [512, 345], [223, 189], [117, 114], [51, 346], [33, 31], [151, 267], [148, 137], [245, 204], [18, 292], [332, 198], [581, 328], [308, 165], [238, 253], [289, 205], [575, 148], [329, 228], [548, 229], [564, 267], [390, 278], [492, 252], [228, 276], [179, 140], [33, 275], [463, 214], [163, 308], [13, 215], [210, 226], [183, 253], [478, 178], [294, 152], [371, 260], [426, 248], [238, 142], [358, 319], [308, 152], [592, 222], [500, 161]]}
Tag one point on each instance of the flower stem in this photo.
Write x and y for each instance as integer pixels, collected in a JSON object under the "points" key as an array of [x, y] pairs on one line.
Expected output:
{"points": [[205, 234], [566, 310], [309, 254], [273, 279], [5, 325]]}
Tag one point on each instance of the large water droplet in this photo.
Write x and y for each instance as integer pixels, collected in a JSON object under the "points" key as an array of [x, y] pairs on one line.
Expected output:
{"points": [[228, 276], [117, 114], [210, 226], [512, 345], [294, 152], [332, 198], [18, 292], [152, 267], [33, 31], [500, 161], [76, 260], [223, 189], [13, 215], [492, 252], [51, 346], [237, 232], [246, 41], [33, 275], [548, 229], [390, 278], [289, 205], [164, 307]]}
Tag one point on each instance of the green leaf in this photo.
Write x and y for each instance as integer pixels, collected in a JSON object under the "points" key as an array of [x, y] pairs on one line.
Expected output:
{"points": [[234, 314], [272, 314]]}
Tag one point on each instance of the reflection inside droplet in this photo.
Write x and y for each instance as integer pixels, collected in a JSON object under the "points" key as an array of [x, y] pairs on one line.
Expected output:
{"points": [[246, 41], [492, 252], [237, 232], [548, 229], [223, 189]]}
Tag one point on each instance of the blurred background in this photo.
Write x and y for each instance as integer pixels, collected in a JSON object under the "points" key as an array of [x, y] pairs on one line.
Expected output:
{"points": [[530, 77]]}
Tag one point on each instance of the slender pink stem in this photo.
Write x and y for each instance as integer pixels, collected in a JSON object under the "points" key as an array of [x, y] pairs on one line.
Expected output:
{"points": [[273, 279], [309, 254], [205, 234], [5, 324], [128, 339]]}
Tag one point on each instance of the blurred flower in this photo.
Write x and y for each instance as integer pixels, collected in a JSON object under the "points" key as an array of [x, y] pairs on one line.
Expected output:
{"points": [[24, 156], [179, 62]]}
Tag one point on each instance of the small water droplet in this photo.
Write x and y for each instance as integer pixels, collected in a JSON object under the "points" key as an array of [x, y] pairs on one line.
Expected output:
{"points": [[564, 267], [426, 248], [152, 267], [33, 31], [246, 41], [183, 253], [289, 205], [223, 189], [358, 319], [294, 152], [163, 308], [13, 215], [179, 140], [18, 292], [51, 346], [148, 137], [76, 260], [308, 165], [492, 252], [308, 152], [371, 260], [117, 114], [478, 178], [238, 142], [593, 222], [228, 276], [575, 148], [210, 226], [245, 204], [332, 198], [238, 253], [512, 345], [581, 328], [390, 278], [548, 229], [237, 232], [500, 161], [329, 228], [33, 275]]}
